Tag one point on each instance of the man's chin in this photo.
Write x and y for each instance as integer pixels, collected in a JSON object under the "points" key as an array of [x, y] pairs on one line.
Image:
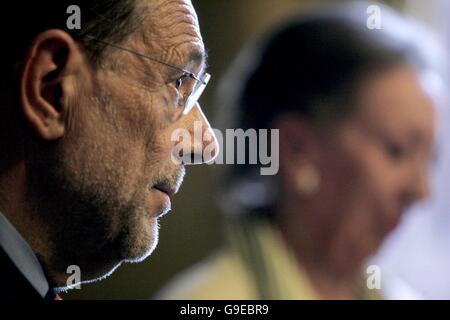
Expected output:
{"points": [[134, 255], [140, 256], [142, 244], [76, 283], [132, 246]]}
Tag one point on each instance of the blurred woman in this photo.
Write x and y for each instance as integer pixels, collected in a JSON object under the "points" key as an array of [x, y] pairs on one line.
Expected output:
{"points": [[356, 127]]}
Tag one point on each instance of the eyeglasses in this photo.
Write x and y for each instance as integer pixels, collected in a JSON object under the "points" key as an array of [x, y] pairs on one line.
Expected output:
{"points": [[189, 99]]}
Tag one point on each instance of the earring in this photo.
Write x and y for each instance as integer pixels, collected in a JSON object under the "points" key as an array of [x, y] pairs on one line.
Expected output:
{"points": [[308, 180]]}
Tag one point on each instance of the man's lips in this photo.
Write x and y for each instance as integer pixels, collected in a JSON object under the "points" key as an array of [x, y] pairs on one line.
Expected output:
{"points": [[159, 202], [170, 191]]}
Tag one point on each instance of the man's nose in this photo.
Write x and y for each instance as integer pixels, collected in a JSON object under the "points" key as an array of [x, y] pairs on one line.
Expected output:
{"points": [[202, 145]]}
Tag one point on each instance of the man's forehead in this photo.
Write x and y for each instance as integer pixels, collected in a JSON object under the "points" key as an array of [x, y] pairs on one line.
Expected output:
{"points": [[174, 28], [170, 14]]}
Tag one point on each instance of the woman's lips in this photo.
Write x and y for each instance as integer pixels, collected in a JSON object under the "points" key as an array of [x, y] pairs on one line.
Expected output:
{"points": [[393, 220]]}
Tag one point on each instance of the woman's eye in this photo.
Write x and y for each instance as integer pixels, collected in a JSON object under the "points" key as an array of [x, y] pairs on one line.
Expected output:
{"points": [[396, 151]]}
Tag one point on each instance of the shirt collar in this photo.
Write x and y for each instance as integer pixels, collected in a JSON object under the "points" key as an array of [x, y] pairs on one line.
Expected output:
{"points": [[22, 256]]}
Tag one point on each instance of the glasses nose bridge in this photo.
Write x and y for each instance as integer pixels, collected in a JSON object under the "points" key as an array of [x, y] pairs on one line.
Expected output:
{"points": [[197, 92]]}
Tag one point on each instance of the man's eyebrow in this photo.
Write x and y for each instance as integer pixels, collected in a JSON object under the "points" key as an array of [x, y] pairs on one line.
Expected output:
{"points": [[200, 57]]}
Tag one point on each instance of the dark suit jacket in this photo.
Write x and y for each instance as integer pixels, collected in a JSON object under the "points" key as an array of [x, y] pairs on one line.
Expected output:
{"points": [[21, 275], [13, 284]]}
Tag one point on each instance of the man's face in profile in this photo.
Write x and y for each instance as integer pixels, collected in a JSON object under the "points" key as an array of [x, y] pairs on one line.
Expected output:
{"points": [[106, 182]]}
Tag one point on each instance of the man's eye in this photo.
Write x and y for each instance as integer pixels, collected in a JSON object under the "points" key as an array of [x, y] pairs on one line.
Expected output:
{"points": [[179, 82]]}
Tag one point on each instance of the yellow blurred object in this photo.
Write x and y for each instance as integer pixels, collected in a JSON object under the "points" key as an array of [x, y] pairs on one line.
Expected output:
{"points": [[256, 265]]}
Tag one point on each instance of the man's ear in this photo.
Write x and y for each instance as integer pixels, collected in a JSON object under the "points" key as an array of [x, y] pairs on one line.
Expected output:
{"points": [[47, 82]]}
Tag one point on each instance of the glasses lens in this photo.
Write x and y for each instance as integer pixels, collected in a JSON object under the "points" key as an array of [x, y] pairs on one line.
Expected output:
{"points": [[196, 92]]}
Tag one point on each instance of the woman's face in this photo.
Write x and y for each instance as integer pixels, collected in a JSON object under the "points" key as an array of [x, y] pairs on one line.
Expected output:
{"points": [[375, 164]]}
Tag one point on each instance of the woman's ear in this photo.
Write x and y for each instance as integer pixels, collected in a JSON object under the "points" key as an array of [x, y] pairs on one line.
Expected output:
{"points": [[50, 65], [298, 138], [300, 152]]}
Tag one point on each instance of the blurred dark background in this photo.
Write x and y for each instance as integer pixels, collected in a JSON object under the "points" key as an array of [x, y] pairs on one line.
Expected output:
{"points": [[193, 229]]}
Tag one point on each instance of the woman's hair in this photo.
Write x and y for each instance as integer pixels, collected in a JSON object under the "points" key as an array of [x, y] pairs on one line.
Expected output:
{"points": [[312, 66]]}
